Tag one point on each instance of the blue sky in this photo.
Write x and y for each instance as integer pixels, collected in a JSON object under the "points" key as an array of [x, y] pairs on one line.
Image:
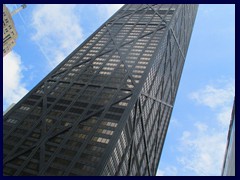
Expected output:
{"points": [[196, 138]]}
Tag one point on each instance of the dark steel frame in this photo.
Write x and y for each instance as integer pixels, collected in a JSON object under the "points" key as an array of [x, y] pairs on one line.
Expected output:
{"points": [[135, 99]]}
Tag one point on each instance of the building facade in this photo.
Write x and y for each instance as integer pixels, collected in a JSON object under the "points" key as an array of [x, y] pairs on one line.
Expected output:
{"points": [[9, 32], [105, 109], [229, 159]]}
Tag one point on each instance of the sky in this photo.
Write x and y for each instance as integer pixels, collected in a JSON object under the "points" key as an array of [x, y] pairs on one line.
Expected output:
{"points": [[196, 139]]}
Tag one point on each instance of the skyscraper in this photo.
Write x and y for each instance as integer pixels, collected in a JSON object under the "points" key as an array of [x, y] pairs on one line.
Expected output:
{"points": [[105, 109], [9, 31]]}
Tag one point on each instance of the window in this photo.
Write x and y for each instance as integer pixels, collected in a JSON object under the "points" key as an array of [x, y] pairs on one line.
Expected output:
{"points": [[110, 124], [79, 135], [24, 108], [100, 140], [12, 121], [104, 131]]}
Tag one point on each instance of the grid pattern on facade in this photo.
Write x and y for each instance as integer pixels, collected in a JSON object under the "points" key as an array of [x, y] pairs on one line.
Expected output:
{"points": [[9, 31], [105, 109], [146, 128]]}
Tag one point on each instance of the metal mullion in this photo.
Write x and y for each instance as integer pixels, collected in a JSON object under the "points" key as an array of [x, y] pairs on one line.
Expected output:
{"points": [[177, 43], [164, 50], [100, 53], [175, 63], [132, 141], [181, 33], [57, 68], [166, 121], [25, 115], [87, 50], [134, 11], [163, 19], [21, 141], [165, 67], [168, 78], [126, 68], [117, 45], [137, 161], [184, 26], [135, 94], [169, 93], [181, 69], [166, 124], [141, 36], [111, 39], [159, 38], [43, 115], [104, 109], [6, 160], [156, 74], [157, 121], [134, 25], [36, 145], [43, 125], [34, 149], [144, 137], [171, 67], [119, 23], [147, 33], [154, 122], [124, 23], [36, 104], [140, 139], [158, 141], [106, 86], [110, 104], [155, 32], [66, 137], [188, 29], [164, 72], [178, 59], [134, 42], [129, 144], [63, 130], [86, 109], [50, 108], [62, 72]]}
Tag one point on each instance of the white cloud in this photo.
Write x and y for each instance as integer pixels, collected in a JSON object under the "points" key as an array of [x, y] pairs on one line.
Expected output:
{"points": [[224, 116], [202, 147], [13, 89], [202, 151], [57, 30], [214, 97], [167, 171], [201, 126], [159, 173]]}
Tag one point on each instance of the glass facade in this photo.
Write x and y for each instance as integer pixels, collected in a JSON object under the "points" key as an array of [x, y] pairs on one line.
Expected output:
{"points": [[105, 109]]}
